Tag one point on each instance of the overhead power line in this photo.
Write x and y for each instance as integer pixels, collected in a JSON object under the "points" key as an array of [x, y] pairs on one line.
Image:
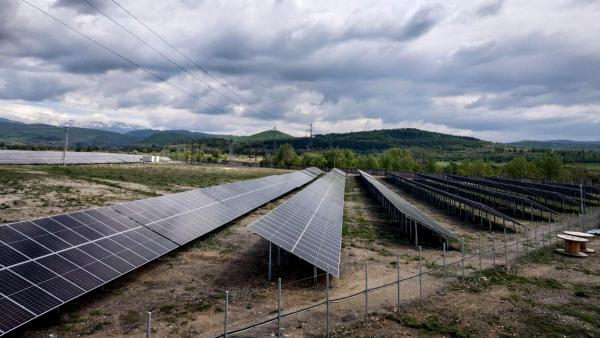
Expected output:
{"points": [[158, 52], [178, 51], [203, 69], [124, 58]]}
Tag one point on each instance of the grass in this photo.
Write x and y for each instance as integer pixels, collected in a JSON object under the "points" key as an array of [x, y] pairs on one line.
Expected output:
{"points": [[491, 277], [171, 177], [431, 325], [200, 307], [166, 308], [130, 320]]}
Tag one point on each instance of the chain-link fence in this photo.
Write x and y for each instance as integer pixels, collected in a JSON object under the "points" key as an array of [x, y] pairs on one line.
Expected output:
{"points": [[400, 286], [315, 306]]}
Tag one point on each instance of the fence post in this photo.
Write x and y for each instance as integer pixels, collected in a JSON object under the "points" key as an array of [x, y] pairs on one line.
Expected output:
{"points": [[327, 303], [278, 307], [505, 249], [398, 282], [479, 251], [543, 239], [226, 314], [534, 238], [549, 233], [148, 324], [269, 271], [420, 275], [462, 250], [493, 250], [444, 265], [517, 245], [527, 241], [366, 290]]}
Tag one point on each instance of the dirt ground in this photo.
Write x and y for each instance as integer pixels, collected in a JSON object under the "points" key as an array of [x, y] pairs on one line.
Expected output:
{"points": [[547, 295], [185, 289]]}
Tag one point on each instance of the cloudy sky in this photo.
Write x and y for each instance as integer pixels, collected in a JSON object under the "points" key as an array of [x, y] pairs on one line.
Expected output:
{"points": [[498, 70]]}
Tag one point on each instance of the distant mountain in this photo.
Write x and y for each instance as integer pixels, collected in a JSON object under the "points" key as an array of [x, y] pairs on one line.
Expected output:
{"points": [[167, 137], [9, 121], [16, 133], [364, 141], [44, 134], [117, 127], [141, 134], [559, 144]]}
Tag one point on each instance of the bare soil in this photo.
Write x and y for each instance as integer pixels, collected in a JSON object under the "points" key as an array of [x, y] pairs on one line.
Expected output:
{"points": [[185, 289]]}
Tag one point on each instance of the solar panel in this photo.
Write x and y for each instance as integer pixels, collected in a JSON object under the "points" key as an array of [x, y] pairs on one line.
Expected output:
{"points": [[56, 157], [47, 262], [406, 208], [309, 224]]}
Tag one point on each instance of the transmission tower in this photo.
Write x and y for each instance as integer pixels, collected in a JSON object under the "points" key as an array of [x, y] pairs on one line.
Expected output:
{"points": [[310, 132]]}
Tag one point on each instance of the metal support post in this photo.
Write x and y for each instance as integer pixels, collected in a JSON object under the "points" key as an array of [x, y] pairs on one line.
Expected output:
{"points": [[278, 307], [226, 314], [398, 282], [269, 272], [479, 252], [148, 324], [327, 303], [366, 291], [444, 265], [493, 250], [420, 275], [505, 249], [462, 250]]}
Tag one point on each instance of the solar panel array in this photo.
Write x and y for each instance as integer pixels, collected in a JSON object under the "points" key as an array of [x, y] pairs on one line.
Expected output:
{"points": [[47, 262], [309, 224], [406, 208], [55, 157]]}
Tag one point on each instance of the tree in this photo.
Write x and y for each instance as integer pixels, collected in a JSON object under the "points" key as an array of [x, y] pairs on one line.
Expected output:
{"points": [[313, 159], [476, 168], [341, 158], [429, 166], [549, 166], [398, 159], [451, 168], [286, 155], [518, 167]]}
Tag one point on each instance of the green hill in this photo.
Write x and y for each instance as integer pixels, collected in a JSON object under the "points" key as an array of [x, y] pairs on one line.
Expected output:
{"points": [[378, 140], [267, 135]]}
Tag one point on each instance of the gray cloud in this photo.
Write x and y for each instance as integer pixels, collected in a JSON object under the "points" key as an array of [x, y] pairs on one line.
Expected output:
{"points": [[490, 8], [7, 14], [81, 7], [386, 64]]}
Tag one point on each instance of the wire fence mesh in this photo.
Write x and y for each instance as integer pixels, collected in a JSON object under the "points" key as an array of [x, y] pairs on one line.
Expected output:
{"points": [[323, 310]]}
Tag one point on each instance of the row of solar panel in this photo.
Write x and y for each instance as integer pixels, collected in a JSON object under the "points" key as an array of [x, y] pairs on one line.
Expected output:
{"points": [[48, 261], [406, 208], [309, 225], [56, 157]]}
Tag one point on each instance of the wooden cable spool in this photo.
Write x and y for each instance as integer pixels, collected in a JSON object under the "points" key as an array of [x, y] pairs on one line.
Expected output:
{"points": [[572, 245], [585, 235]]}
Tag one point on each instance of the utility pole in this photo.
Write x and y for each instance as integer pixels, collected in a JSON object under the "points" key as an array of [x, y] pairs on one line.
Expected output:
{"points": [[64, 157], [230, 151]]}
